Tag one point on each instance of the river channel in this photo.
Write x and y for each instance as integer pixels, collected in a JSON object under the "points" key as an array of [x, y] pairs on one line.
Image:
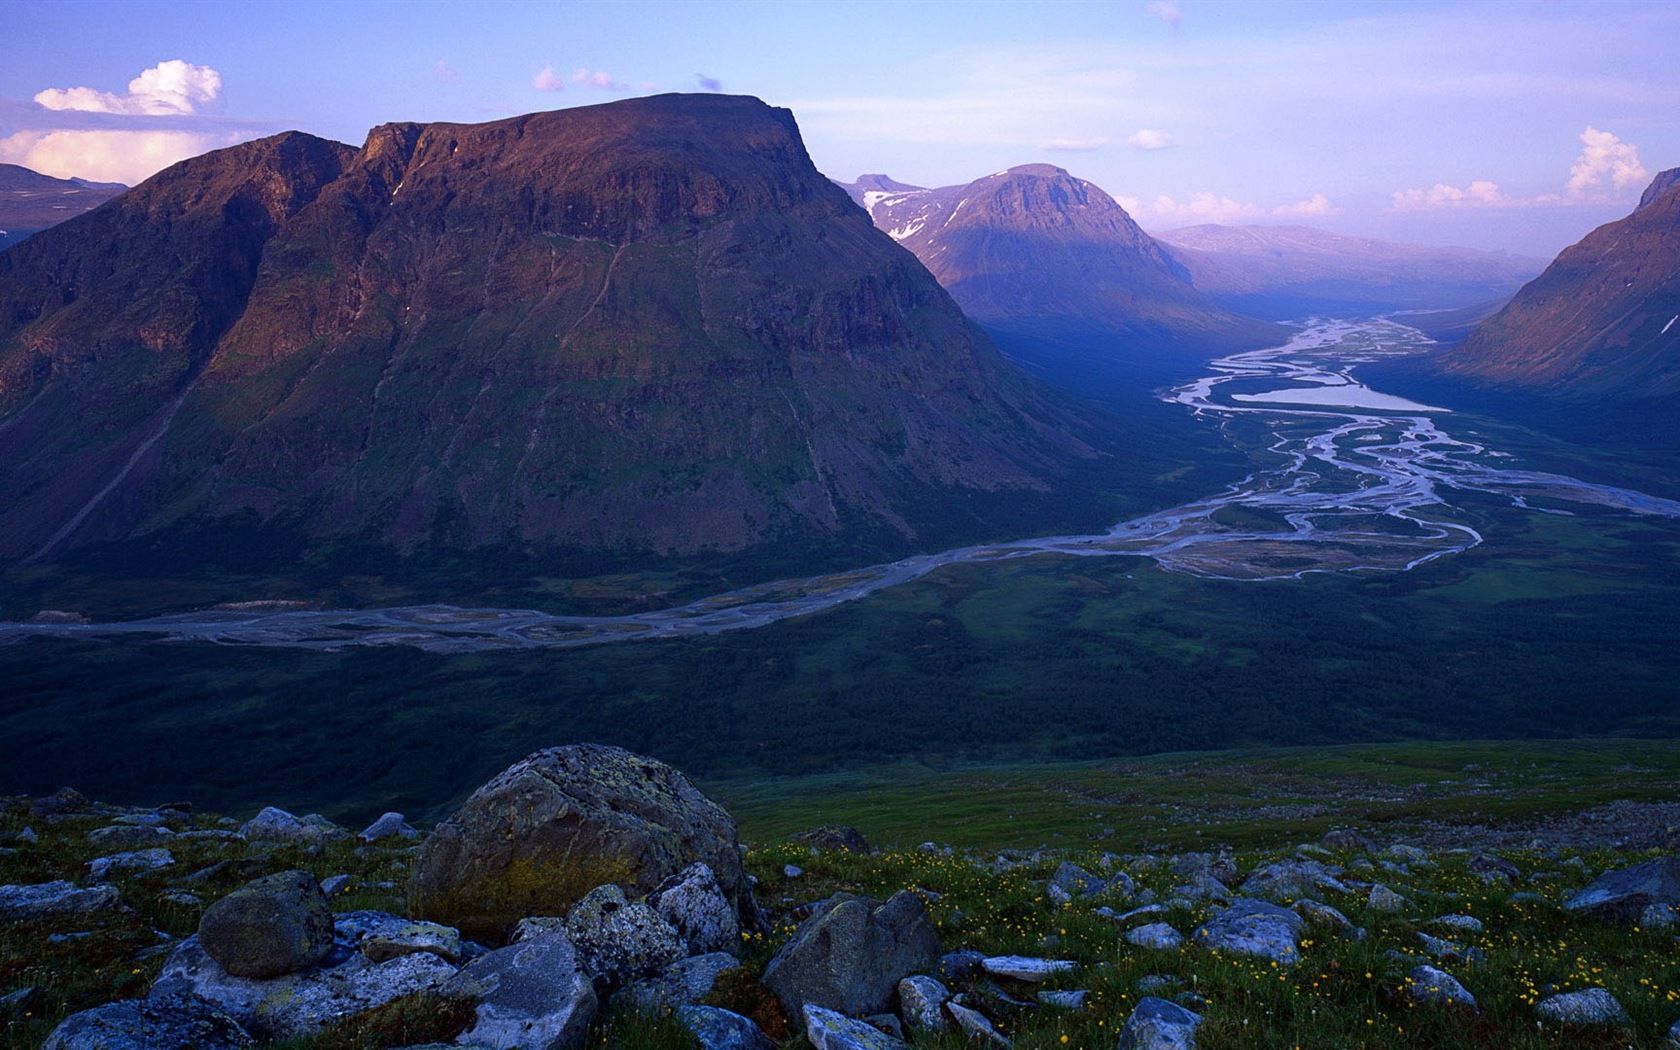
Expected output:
{"points": [[1360, 481]]}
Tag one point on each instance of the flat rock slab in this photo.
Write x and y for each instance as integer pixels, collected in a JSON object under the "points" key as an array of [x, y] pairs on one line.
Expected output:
{"points": [[829, 1030], [50, 900], [717, 1029], [1155, 935], [1025, 968], [1589, 1007], [533, 995], [1622, 895], [1426, 984]]}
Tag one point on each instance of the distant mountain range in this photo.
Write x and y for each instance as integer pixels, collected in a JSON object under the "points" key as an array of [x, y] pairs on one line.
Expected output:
{"points": [[1603, 320], [1284, 272], [650, 326], [1036, 251], [31, 202]]}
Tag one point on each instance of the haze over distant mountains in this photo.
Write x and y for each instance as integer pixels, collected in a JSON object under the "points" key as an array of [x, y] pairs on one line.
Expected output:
{"points": [[1603, 320], [1036, 251], [31, 202], [644, 326]]}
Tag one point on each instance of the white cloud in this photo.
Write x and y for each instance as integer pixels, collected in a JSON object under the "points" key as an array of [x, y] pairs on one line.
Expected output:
{"points": [[604, 81], [1150, 139], [1074, 145], [1479, 194], [1167, 11], [1197, 208], [109, 156], [1603, 154], [443, 72], [1315, 207], [169, 88], [548, 80]]}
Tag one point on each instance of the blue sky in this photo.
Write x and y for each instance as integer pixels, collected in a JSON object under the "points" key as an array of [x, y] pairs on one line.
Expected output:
{"points": [[1516, 126]]}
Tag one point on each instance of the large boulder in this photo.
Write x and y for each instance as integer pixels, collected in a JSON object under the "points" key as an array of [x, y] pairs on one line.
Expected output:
{"points": [[618, 940], [1251, 927], [557, 824], [274, 925], [692, 902], [1622, 895], [852, 953], [149, 1024]]}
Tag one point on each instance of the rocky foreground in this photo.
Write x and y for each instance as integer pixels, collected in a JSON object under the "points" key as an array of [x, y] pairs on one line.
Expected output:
{"points": [[591, 897]]}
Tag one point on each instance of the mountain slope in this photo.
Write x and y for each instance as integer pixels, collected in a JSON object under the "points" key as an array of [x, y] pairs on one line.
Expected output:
{"points": [[1603, 320], [645, 326], [31, 202], [1292, 271], [1034, 250]]}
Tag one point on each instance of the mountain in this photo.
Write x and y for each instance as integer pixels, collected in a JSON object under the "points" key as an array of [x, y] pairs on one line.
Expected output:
{"points": [[1603, 320], [1294, 271], [31, 202], [643, 328], [1034, 250]]}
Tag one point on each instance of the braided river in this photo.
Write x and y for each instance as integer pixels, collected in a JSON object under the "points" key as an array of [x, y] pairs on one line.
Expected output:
{"points": [[1358, 481]]}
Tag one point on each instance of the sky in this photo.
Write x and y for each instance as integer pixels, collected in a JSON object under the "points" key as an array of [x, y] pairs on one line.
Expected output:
{"points": [[1514, 126]]}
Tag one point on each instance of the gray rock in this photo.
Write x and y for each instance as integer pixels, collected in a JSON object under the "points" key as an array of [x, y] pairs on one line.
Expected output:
{"points": [[1160, 984], [561, 822], [1346, 839], [888, 1023], [1075, 881], [277, 825], [830, 1030], [271, 926], [1024, 968], [792, 871], [181, 898], [722, 1030], [1672, 1041], [536, 924], [1252, 927], [136, 860], [684, 982], [618, 940], [692, 902], [1426, 984], [1407, 854], [1658, 916], [1589, 1007], [299, 1004], [1194, 865], [976, 1026], [1145, 911], [1155, 935], [533, 995], [1156, 1024], [1622, 895], [388, 826], [14, 1002], [27, 836], [1292, 879], [333, 885], [852, 953], [1449, 951], [170, 1023], [1461, 923], [1492, 868], [1384, 899], [406, 938], [1068, 1000], [1202, 888], [834, 836], [1525, 897], [960, 967], [49, 900], [921, 1001], [135, 835], [65, 801], [1324, 917]]}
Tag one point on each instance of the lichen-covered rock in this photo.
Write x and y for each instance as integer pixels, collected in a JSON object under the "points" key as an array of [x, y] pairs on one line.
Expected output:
{"points": [[685, 982], [1252, 927], [830, 1030], [692, 902], [852, 953], [618, 940], [1622, 895], [48, 900], [178, 1022], [921, 1001], [1292, 879], [138, 836], [134, 860], [389, 825], [533, 995], [1384, 899], [1156, 1024], [406, 938], [1426, 984], [559, 823], [834, 836], [277, 825], [1155, 935], [1589, 1007], [1323, 916], [274, 925], [717, 1029]]}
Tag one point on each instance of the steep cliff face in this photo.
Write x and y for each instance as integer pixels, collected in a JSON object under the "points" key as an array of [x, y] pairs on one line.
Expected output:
{"points": [[1603, 320], [650, 325], [1034, 249]]}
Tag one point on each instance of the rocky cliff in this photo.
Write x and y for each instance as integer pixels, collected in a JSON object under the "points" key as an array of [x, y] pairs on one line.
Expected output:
{"points": [[643, 326]]}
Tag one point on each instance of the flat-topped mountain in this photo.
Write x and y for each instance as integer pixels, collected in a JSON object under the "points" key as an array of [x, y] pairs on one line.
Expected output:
{"points": [[31, 202], [1293, 271], [1036, 250], [1603, 321], [644, 326]]}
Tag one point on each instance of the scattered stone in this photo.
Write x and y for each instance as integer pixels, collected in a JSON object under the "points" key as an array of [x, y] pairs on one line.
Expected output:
{"points": [[1462, 923], [64, 802], [181, 898], [333, 885], [1590, 1007], [1074, 881], [1068, 1000], [402, 937], [834, 836], [1221, 868], [1155, 935], [829, 1030], [1202, 888], [851, 955], [1138, 913], [14, 1002], [389, 825], [27, 836], [1346, 839], [976, 1025], [138, 860], [1158, 984], [1672, 1042], [1023, 968], [1324, 917], [1408, 854], [1623, 894], [921, 1000], [209, 835], [1292, 879], [1658, 916], [536, 924], [277, 825], [1252, 927], [684, 982], [275, 925], [620, 941], [1448, 951], [1384, 899], [961, 967], [1156, 1024], [792, 871], [693, 903], [717, 1029], [1486, 864], [1525, 897], [1426, 984], [48, 900], [138, 835], [888, 1023], [557, 824], [533, 995], [149, 1024]]}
